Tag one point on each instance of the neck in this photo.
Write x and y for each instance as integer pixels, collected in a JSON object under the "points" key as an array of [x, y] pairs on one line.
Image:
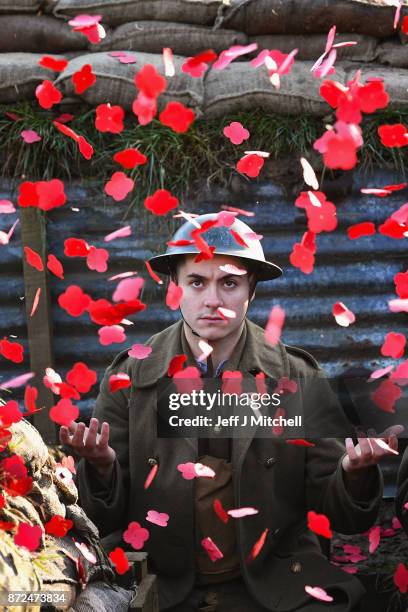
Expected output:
{"points": [[222, 349]]}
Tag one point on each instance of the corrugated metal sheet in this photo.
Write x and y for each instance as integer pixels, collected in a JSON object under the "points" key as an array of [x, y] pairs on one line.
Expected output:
{"points": [[358, 273]]}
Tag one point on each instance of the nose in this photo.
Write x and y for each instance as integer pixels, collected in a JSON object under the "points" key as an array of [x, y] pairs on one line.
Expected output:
{"points": [[212, 298]]}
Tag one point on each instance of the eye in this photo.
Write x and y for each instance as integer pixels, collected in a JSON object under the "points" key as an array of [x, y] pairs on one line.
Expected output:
{"points": [[230, 283], [196, 283]]}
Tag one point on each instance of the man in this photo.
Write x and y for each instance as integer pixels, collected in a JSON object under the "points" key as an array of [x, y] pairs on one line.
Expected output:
{"points": [[282, 481]]}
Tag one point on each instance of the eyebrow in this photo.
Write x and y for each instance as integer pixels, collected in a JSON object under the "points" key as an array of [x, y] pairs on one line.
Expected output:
{"points": [[195, 275]]}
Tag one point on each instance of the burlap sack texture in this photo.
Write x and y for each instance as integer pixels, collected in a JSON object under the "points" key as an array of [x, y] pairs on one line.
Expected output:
{"points": [[144, 27]]}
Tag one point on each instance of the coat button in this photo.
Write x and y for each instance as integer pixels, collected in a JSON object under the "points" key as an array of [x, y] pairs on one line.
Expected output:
{"points": [[217, 429], [269, 462], [295, 567], [152, 461]]}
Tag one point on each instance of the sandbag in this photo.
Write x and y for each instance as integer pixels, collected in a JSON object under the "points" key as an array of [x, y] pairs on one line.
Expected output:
{"points": [[19, 76], [311, 46], [183, 39], [115, 81], [370, 17], [38, 34], [115, 12], [241, 87], [393, 53], [20, 6]]}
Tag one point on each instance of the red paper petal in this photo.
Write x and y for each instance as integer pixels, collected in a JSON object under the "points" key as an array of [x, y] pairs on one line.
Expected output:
{"points": [[119, 186], [135, 535], [319, 523], [55, 266], [81, 377], [74, 301], [144, 108], [150, 82], [220, 512], [83, 79], [361, 229], [109, 118], [395, 135], [236, 132], [130, 158], [12, 350], [161, 202], [386, 395], [97, 259], [76, 247], [119, 381], [341, 152], [257, 547], [174, 296], [176, 364], [250, 165], [47, 94], [58, 526], [119, 560], [401, 284], [151, 476], [52, 63], [394, 345], [33, 259], [28, 536], [274, 325], [302, 258], [177, 117], [153, 274], [401, 573], [50, 194], [393, 229], [64, 412], [111, 334], [10, 413], [30, 396]]}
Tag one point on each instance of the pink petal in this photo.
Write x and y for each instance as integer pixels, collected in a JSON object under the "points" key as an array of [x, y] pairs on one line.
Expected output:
{"points": [[309, 175], [240, 512], [381, 372], [206, 349], [400, 215], [374, 538], [140, 351], [6, 207], [382, 444], [36, 301], [330, 39], [231, 269], [158, 518], [128, 289], [122, 275], [275, 324], [169, 69], [398, 305], [187, 470], [85, 21], [212, 549], [326, 67], [123, 232], [342, 314], [128, 59], [397, 14], [110, 334], [88, 554], [17, 381], [227, 56], [30, 136], [226, 313], [318, 593], [97, 259]]}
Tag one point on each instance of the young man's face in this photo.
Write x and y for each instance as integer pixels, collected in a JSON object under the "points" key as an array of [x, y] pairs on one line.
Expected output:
{"points": [[206, 288]]}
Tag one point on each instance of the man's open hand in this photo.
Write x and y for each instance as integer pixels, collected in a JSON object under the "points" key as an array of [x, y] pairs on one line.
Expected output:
{"points": [[88, 444], [370, 451]]}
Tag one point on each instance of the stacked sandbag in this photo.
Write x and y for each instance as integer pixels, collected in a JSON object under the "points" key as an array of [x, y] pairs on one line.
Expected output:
{"points": [[38, 34], [20, 6], [20, 74], [115, 81], [392, 53]]}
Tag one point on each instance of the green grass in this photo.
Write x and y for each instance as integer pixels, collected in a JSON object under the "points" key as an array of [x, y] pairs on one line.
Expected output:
{"points": [[177, 162]]}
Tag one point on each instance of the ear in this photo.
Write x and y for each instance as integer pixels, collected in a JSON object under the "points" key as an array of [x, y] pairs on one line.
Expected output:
{"points": [[252, 296]]}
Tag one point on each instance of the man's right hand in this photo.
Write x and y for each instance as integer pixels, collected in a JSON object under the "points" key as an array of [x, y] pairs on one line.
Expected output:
{"points": [[88, 444]]}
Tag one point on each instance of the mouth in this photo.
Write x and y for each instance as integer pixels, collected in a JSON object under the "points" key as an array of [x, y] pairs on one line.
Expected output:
{"points": [[211, 319]]}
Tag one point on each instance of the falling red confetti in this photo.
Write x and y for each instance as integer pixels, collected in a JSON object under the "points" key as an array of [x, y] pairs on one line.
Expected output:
{"points": [[111, 334], [257, 547], [302, 258], [151, 476], [30, 397], [161, 202], [401, 284], [30, 136], [319, 523], [228, 55], [236, 133], [119, 560], [81, 377], [74, 301], [89, 26], [85, 148], [274, 325], [28, 536], [211, 549], [220, 512], [374, 535], [13, 351], [45, 195], [251, 165], [150, 82], [130, 158], [36, 301], [197, 65], [10, 413], [64, 412], [55, 266], [97, 259], [177, 117], [47, 94], [52, 63], [361, 229], [33, 259], [104, 313], [83, 79], [119, 186], [174, 296], [58, 526], [238, 211], [144, 108], [395, 135], [401, 572], [238, 238], [386, 395], [394, 345], [176, 364], [136, 535], [342, 314], [300, 442], [119, 381], [109, 118]]}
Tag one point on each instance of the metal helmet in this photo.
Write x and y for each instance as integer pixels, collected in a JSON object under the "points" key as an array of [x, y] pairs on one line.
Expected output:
{"points": [[225, 244]]}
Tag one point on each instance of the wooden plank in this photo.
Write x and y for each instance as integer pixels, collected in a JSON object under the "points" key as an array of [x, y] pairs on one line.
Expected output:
{"points": [[146, 598], [39, 326]]}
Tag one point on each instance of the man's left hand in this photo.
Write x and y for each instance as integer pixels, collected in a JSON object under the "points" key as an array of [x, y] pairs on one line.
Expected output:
{"points": [[368, 452]]}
